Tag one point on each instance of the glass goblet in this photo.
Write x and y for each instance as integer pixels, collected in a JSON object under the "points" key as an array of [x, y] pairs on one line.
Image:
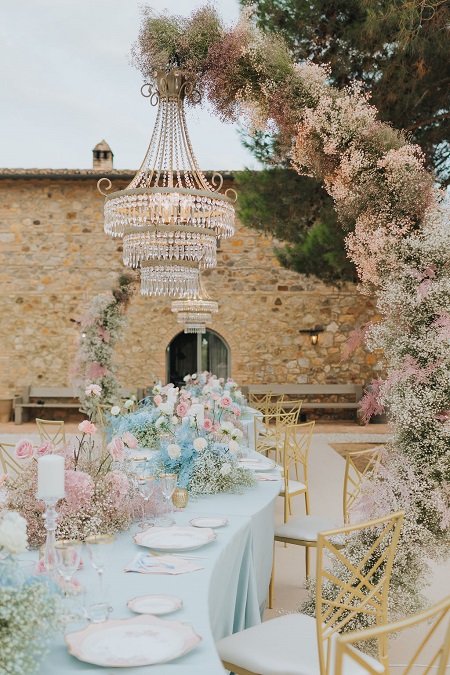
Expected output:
{"points": [[67, 557], [167, 485], [146, 486], [99, 548]]}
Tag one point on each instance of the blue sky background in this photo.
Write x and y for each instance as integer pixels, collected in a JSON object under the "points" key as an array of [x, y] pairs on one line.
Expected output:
{"points": [[67, 83]]}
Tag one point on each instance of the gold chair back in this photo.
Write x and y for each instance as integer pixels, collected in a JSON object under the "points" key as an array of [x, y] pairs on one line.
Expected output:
{"points": [[53, 431], [438, 655], [362, 587], [358, 466], [8, 462], [268, 404], [269, 432], [297, 441]]}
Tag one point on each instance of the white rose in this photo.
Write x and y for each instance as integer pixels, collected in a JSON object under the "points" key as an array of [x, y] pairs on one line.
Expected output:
{"points": [[186, 378], [200, 444], [115, 410], [227, 427], [194, 376], [156, 389], [174, 451], [233, 447], [174, 419], [160, 421], [225, 469], [129, 403], [166, 408], [237, 433], [13, 533]]}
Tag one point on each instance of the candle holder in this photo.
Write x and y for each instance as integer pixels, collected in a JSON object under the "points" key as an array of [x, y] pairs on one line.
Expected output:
{"points": [[180, 498], [50, 518]]}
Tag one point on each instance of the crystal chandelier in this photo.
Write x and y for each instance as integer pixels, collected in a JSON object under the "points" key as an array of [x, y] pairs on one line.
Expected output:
{"points": [[170, 215], [195, 311]]}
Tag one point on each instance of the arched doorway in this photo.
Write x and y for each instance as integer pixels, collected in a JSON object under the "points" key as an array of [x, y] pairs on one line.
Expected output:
{"points": [[193, 353]]}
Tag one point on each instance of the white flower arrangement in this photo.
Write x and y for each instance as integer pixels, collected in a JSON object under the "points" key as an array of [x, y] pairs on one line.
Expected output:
{"points": [[13, 533]]}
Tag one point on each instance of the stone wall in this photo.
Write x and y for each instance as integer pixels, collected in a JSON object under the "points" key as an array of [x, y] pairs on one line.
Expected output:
{"points": [[54, 257]]}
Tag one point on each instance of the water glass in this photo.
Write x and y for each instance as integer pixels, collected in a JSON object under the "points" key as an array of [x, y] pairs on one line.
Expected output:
{"points": [[167, 485], [99, 548], [146, 486], [68, 556]]}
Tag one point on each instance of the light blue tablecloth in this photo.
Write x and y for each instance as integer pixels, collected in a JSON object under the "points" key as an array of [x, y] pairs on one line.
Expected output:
{"points": [[226, 596]]}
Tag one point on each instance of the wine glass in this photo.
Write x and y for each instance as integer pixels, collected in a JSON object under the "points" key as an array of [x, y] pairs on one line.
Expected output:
{"points": [[99, 547], [67, 557], [167, 485], [146, 486]]}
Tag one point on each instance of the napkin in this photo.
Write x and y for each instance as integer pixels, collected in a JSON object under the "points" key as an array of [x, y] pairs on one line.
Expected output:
{"points": [[266, 476], [161, 564]]}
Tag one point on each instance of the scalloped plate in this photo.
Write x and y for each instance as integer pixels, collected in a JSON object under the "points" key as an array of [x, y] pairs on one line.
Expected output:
{"points": [[155, 604], [175, 538]]}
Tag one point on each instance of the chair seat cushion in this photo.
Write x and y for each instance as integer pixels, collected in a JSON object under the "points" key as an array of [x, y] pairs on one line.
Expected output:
{"points": [[286, 645], [304, 527], [294, 486]]}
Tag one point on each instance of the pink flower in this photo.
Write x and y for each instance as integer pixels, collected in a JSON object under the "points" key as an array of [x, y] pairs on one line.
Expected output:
{"points": [[3, 477], [207, 425], [96, 371], [182, 409], [225, 402], [104, 334], [216, 427], [79, 489], [87, 427], [207, 406], [44, 449], [215, 397], [93, 390], [24, 450], [117, 449], [119, 485], [157, 399], [130, 440], [236, 411]]}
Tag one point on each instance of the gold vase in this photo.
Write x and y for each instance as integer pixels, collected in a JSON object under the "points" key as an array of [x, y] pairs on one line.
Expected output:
{"points": [[180, 498]]}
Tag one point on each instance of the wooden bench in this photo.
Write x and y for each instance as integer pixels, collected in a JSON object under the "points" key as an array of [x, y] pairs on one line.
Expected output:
{"points": [[300, 391], [43, 398]]}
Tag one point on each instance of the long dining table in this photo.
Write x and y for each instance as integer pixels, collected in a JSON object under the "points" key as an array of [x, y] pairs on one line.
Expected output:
{"points": [[226, 596]]}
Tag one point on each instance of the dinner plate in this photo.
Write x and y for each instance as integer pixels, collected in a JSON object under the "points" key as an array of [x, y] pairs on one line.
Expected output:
{"points": [[209, 521], [262, 464], [175, 538], [124, 643], [155, 604]]}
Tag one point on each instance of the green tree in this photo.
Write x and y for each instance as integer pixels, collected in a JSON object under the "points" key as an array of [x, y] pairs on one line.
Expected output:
{"points": [[400, 51]]}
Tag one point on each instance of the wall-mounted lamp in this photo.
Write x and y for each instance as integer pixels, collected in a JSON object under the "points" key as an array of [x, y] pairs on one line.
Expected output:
{"points": [[313, 334]]}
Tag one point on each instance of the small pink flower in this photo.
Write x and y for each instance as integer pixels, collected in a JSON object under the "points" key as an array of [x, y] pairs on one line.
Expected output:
{"points": [[157, 399], [93, 390], [3, 477], [40, 567], [117, 449], [87, 427], [236, 411], [44, 449], [230, 379], [207, 406], [216, 427], [215, 397], [24, 450], [182, 409], [130, 440], [225, 402], [207, 425], [79, 488]]}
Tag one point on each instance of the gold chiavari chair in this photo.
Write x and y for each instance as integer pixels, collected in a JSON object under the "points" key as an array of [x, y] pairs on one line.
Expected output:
{"points": [[304, 530], [359, 465], [268, 404], [348, 658], [8, 462], [297, 441], [269, 432], [297, 643], [53, 431]]}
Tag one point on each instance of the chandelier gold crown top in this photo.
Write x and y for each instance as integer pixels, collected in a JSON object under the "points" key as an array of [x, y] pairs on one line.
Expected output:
{"points": [[169, 215]]}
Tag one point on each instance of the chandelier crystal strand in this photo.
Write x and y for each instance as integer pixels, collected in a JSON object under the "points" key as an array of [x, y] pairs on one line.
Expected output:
{"points": [[170, 215], [195, 311]]}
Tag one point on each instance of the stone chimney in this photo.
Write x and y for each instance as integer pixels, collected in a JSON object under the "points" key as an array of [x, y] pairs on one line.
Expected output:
{"points": [[103, 156]]}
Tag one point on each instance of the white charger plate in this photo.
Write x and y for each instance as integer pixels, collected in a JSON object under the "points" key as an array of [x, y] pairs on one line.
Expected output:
{"points": [[209, 521], [155, 604], [125, 643], [175, 538]]}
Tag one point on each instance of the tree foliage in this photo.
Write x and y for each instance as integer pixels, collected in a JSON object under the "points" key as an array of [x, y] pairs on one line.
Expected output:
{"points": [[400, 52]]}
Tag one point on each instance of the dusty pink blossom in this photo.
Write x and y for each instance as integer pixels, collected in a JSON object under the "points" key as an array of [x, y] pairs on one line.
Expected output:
{"points": [[104, 334], [354, 340], [116, 449], [442, 323], [24, 449], [369, 404], [207, 424], [215, 397], [119, 485], [182, 409], [3, 478], [225, 402], [157, 400], [44, 449], [79, 489], [130, 440], [93, 390], [236, 411], [96, 371], [87, 427]]}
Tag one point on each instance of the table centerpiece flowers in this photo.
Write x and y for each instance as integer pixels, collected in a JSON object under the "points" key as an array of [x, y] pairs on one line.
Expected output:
{"points": [[31, 609]]}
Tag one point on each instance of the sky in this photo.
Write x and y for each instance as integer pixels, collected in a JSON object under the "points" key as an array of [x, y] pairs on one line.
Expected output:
{"points": [[67, 83]]}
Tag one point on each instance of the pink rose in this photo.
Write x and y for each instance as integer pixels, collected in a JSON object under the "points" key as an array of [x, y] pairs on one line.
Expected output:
{"points": [[225, 402], [182, 409], [44, 449], [117, 449], [236, 411], [130, 440], [207, 425], [230, 379], [87, 427], [157, 399], [93, 390], [215, 397], [24, 450]]}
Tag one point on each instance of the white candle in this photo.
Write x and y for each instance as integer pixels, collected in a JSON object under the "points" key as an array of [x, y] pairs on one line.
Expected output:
{"points": [[50, 477], [197, 410]]}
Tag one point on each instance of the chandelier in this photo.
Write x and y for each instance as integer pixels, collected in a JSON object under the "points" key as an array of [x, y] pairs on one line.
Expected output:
{"points": [[170, 215], [195, 311]]}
